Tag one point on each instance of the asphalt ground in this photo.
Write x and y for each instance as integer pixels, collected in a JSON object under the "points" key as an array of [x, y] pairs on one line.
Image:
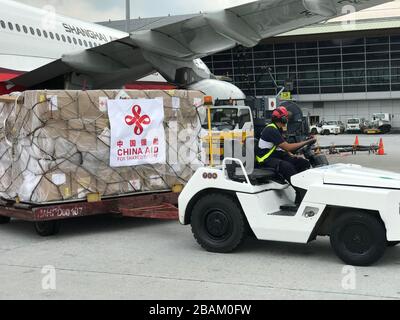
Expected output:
{"points": [[114, 258]]}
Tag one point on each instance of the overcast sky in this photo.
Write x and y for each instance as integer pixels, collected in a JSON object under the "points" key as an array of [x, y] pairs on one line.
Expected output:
{"points": [[102, 10]]}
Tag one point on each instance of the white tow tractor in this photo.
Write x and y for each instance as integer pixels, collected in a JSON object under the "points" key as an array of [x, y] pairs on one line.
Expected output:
{"points": [[357, 207]]}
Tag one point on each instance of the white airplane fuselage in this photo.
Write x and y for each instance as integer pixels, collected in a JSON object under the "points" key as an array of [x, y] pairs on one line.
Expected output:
{"points": [[32, 37]]}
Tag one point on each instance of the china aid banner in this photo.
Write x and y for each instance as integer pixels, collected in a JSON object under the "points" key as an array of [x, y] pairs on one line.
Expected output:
{"points": [[137, 132]]}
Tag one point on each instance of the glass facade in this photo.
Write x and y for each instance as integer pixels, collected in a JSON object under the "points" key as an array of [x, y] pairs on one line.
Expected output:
{"points": [[348, 65]]}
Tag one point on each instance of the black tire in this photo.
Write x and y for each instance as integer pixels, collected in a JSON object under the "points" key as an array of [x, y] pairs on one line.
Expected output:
{"points": [[218, 223], [358, 238], [47, 228], [314, 132], [327, 132], [392, 244], [4, 220]]}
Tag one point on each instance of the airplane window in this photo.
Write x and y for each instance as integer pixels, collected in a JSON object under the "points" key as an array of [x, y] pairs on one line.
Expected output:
{"points": [[18, 27], [58, 36], [39, 33], [85, 43], [80, 42], [10, 26], [95, 44], [25, 29], [63, 38], [69, 39], [3, 25], [75, 41], [51, 35], [90, 44], [32, 31], [45, 34]]}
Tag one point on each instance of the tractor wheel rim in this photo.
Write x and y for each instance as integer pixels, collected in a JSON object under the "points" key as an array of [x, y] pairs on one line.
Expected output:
{"points": [[357, 238], [218, 224]]}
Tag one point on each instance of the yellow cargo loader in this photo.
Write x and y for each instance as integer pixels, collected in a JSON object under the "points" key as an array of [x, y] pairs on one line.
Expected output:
{"points": [[228, 123]]}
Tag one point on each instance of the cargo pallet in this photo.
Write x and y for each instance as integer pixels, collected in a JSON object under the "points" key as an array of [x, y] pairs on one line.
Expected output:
{"points": [[47, 218]]}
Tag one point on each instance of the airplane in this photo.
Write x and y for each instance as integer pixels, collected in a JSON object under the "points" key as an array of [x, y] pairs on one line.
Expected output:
{"points": [[41, 50]]}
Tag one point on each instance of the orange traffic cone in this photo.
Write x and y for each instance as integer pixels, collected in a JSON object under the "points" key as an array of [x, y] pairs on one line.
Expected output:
{"points": [[356, 143], [381, 150]]}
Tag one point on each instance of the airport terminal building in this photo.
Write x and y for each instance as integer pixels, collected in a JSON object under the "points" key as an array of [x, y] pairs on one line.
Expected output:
{"points": [[336, 72]]}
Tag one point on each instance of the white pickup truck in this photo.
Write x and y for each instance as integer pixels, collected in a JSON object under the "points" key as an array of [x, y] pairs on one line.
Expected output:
{"points": [[327, 128]]}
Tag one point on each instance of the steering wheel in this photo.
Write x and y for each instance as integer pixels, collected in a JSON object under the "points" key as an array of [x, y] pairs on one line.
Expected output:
{"points": [[306, 147]]}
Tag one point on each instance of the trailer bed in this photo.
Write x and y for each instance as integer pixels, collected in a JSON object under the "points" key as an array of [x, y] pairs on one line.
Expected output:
{"points": [[47, 217]]}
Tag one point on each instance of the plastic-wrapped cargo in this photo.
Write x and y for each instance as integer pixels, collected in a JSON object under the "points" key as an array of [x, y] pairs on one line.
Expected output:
{"points": [[55, 146]]}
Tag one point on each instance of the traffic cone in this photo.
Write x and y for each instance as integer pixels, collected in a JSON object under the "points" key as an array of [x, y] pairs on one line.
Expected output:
{"points": [[356, 143], [381, 150]]}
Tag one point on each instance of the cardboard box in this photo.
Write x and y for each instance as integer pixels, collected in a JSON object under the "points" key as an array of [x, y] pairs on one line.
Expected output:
{"points": [[56, 146]]}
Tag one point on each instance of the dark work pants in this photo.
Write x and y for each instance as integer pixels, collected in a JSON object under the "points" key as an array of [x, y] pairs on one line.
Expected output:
{"points": [[287, 167]]}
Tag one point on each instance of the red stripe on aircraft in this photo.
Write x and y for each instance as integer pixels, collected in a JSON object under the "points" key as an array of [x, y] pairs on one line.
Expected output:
{"points": [[6, 74]]}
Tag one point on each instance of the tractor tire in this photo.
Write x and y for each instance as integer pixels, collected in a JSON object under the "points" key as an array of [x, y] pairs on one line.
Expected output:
{"points": [[218, 223], [4, 220], [392, 244], [358, 238], [47, 228]]}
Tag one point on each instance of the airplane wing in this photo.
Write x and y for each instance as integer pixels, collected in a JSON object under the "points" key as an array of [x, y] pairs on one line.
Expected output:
{"points": [[174, 49], [104, 63]]}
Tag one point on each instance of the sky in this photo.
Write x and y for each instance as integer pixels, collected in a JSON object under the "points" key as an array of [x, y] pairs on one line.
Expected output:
{"points": [[103, 10]]}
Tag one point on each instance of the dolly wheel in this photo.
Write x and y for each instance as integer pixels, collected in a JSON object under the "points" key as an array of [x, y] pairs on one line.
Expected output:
{"points": [[358, 238], [4, 220], [218, 223], [47, 228]]}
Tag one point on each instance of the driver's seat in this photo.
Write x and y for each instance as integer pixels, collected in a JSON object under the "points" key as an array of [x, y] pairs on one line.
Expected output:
{"points": [[258, 176]]}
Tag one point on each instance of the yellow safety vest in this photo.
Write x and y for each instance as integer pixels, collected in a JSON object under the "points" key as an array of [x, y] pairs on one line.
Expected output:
{"points": [[261, 160]]}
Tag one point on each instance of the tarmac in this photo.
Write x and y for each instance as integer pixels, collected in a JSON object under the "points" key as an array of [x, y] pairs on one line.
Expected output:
{"points": [[113, 258]]}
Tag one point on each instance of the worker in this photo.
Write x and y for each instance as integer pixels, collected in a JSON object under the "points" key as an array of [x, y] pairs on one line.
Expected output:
{"points": [[276, 153]]}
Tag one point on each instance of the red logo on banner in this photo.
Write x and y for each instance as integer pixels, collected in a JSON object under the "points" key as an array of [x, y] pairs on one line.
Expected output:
{"points": [[137, 120], [120, 143]]}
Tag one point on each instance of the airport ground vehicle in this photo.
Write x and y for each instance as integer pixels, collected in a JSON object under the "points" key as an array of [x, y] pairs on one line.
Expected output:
{"points": [[229, 121], [340, 124], [316, 129], [356, 207], [47, 216], [331, 127], [230, 118], [355, 125], [380, 123], [327, 128]]}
